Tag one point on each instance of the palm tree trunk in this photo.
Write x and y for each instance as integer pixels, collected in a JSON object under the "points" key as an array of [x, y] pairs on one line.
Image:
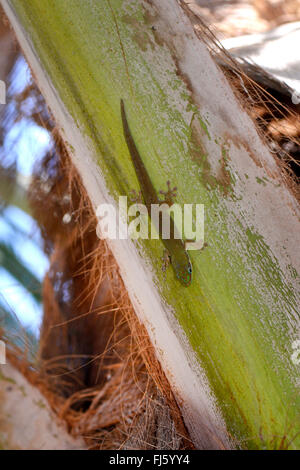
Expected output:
{"points": [[26, 418]]}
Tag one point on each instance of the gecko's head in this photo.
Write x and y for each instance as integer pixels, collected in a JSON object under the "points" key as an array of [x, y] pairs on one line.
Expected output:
{"points": [[183, 270]]}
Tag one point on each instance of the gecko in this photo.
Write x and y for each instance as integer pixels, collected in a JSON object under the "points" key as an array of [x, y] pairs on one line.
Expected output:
{"points": [[175, 252]]}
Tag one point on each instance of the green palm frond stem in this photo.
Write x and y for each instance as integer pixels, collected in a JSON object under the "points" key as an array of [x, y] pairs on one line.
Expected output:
{"points": [[12, 264], [225, 341]]}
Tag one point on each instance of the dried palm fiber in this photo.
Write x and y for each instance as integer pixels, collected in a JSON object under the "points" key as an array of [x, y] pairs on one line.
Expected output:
{"points": [[93, 352]]}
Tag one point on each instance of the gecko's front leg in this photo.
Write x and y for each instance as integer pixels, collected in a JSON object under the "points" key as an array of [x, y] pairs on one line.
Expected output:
{"points": [[166, 261]]}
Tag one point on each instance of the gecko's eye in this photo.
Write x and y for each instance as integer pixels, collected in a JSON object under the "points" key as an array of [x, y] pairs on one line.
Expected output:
{"points": [[190, 269]]}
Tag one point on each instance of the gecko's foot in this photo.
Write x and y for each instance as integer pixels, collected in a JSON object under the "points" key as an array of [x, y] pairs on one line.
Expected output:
{"points": [[166, 261], [135, 197], [197, 245], [170, 194]]}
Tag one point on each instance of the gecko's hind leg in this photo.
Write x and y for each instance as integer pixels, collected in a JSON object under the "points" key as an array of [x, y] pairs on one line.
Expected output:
{"points": [[170, 194], [166, 261], [135, 197]]}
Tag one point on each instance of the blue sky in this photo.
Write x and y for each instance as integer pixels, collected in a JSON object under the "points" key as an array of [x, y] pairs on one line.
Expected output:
{"points": [[25, 142]]}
